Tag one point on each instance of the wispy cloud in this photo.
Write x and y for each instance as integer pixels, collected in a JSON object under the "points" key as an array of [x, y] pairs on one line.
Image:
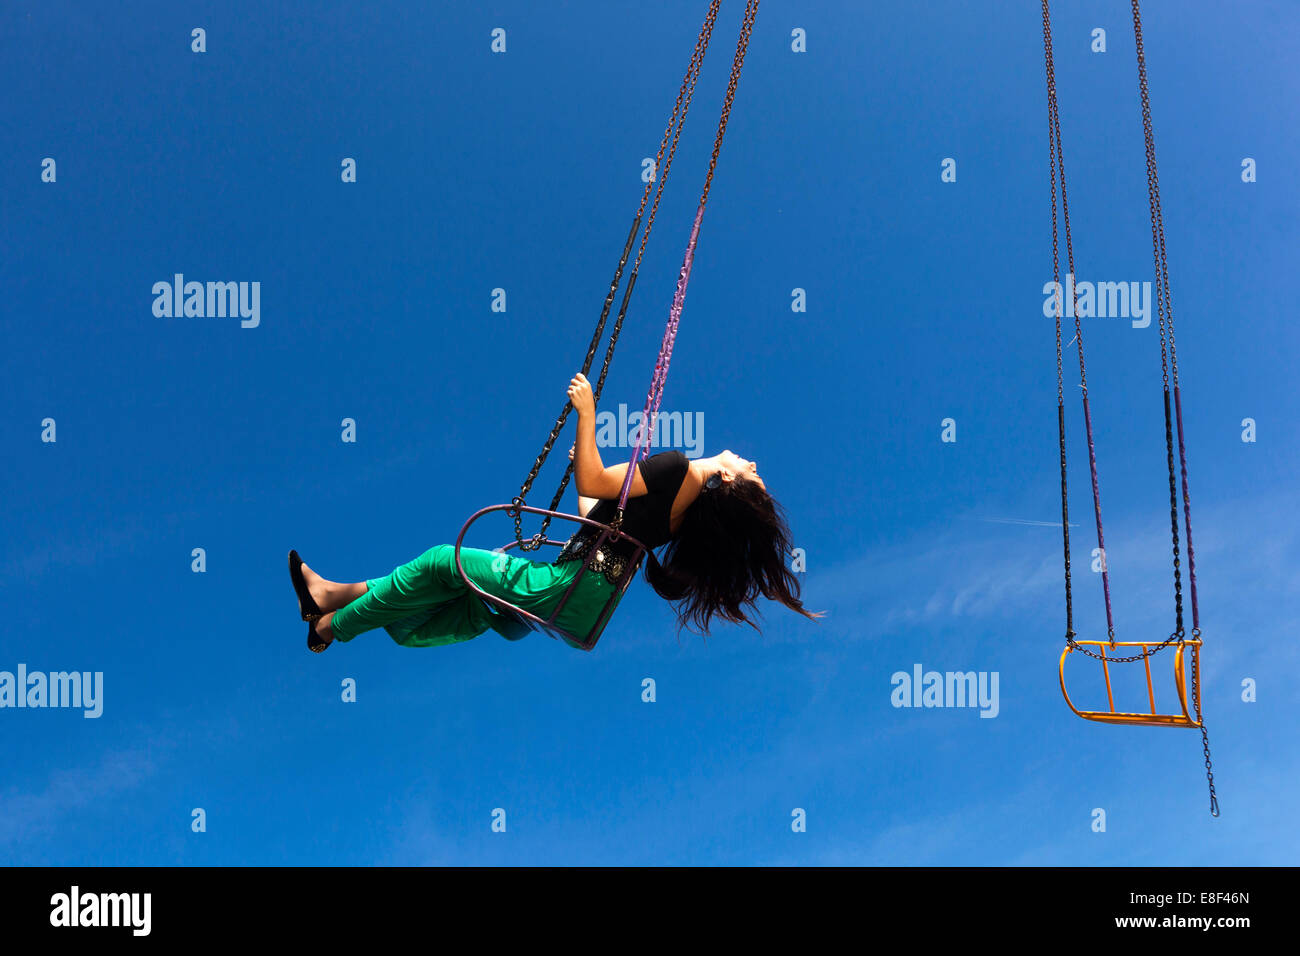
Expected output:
{"points": [[26, 815], [946, 575], [84, 550]]}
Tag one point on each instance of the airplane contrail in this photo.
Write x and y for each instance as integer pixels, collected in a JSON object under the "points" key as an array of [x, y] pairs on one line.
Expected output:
{"points": [[1026, 521]]}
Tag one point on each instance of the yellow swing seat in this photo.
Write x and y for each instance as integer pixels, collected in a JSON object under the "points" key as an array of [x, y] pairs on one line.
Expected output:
{"points": [[1152, 718]]}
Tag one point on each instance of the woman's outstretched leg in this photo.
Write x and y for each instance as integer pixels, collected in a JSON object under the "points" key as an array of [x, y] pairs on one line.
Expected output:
{"points": [[331, 595], [421, 603], [426, 603]]}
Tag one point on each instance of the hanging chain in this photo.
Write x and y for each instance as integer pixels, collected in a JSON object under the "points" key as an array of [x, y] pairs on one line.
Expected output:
{"points": [[1164, 300], [1056, 274], [1168, 362], [1173, 517], [1205, 734], [1174, 638], [684, 97], [1056, 154], [742, 47], [656, 185], [655, 394], [1165, 306]]}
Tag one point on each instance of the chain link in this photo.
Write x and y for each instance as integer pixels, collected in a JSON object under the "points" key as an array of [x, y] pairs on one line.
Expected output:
{"points": [[1174, 638]]}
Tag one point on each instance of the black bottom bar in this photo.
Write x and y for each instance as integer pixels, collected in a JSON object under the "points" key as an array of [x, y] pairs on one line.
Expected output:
{"points": [[927, 906]]}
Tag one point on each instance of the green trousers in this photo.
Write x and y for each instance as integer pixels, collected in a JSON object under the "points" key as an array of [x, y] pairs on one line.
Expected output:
{"points": [[424, 602]]}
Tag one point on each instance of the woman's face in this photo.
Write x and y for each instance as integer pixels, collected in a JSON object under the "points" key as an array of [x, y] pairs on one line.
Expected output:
{"points": [[739, 468]]}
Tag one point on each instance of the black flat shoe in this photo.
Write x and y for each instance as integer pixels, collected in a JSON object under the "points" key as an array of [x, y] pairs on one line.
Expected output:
{"points": [[307, 605], [315, 642]]}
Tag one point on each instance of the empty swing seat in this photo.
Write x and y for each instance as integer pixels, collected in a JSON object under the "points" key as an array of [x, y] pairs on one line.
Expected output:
{"points": [[1144, 719]]}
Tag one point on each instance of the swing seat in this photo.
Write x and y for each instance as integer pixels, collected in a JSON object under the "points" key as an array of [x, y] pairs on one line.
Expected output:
{"points": [[514, 622], [1151, 718]]}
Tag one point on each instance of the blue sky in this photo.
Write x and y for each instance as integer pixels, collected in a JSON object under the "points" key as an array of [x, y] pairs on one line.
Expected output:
{"points": [[521, 171]]}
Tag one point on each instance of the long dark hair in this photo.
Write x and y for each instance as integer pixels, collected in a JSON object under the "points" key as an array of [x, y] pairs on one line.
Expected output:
{"points": [[731, 549]]}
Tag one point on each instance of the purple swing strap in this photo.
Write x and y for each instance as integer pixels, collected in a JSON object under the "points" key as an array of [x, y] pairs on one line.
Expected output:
{"points": [[1096, 505], [1187, 513], [650, 413]]}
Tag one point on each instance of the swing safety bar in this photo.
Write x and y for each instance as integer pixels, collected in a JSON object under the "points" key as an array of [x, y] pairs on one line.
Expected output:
{"points": [[1151, 719], [528, 621]]}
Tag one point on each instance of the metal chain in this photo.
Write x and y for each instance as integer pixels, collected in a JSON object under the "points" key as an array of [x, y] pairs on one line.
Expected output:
{"points": [[676, 121], [1056, 153], [1164, 300], [688, 92], [1173, 517], [655, 394], [1168, 361], [1054, 117], [737, 63], [1205, 734], [1166, 311], [1056, 275], [684, 97], [742, 47], [1056, 159], [1164, 304], [1174, 638]]}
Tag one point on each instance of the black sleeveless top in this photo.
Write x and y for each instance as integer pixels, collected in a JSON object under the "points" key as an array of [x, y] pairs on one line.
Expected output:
{"points": [[647, 517]]}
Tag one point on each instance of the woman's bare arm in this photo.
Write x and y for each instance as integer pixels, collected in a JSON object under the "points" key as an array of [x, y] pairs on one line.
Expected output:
{"points": [[592, 478], [584, 504], [594, 481]]}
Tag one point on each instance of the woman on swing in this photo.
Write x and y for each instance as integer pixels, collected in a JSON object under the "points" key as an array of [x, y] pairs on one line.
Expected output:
{"points": [[727, 544]]}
